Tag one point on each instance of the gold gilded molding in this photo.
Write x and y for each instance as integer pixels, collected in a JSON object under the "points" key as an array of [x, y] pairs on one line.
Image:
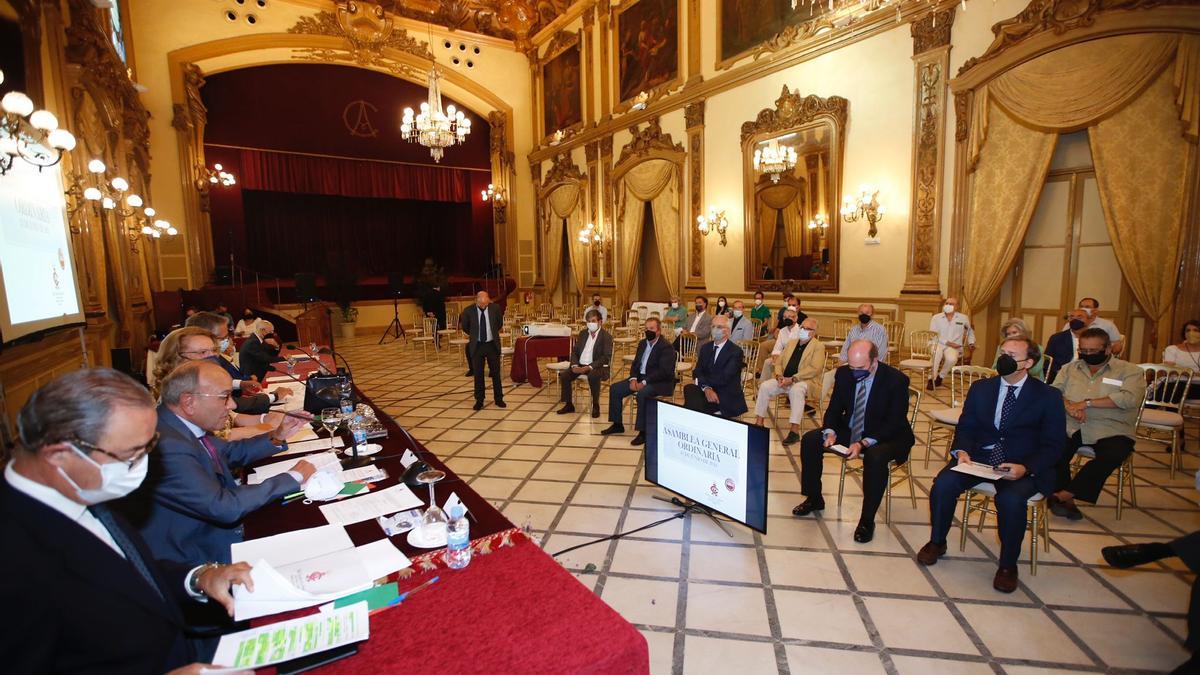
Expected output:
{"points": [[932, 30], [693, 114], [924, 233], [563, 170], [647, 142], [793, 110], [367, 30], [695, 275], [562, 40]]}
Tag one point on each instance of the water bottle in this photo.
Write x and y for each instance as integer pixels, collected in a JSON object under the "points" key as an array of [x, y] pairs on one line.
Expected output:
{"points": [[345, 400], [359, 430], [458, 539]]}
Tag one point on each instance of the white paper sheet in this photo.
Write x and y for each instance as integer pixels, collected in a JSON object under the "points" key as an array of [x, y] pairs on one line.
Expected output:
{"points": [[274, 592], [381, 558], [324, 461], [366, 507], [332, 573], [290, 547], [309, 446], [980, 470], [840, 449], [288, 640]]}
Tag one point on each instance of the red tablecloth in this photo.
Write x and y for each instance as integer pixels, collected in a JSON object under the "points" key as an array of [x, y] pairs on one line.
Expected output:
{"points": [[514, 610], [528, 350]]}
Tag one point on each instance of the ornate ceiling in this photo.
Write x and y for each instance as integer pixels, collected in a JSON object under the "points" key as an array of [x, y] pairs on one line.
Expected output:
{"points": [[516, 20]]}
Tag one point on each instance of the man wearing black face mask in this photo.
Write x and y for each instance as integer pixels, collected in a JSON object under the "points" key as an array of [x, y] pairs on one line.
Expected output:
{"points": [[1063, 347], [1102, 395], [598, 306], [699, 322], [1013, 422], [868, 414], [652, 374]]}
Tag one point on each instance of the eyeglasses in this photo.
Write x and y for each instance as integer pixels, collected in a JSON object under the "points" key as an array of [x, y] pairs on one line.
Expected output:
{"points": [[138, 452], [202, 352], [227, 394]]}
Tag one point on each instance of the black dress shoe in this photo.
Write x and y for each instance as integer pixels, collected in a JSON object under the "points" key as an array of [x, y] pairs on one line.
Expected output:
{"points": [[596, 410], [1006, 580], [808, 506], [937, 382], [792, 438], [930, 552], [1060, 508], [501, 404], [469, 374], [929, 385], [478, 405], [1132, 555], [640, 439], [864, 533], [615, 428], [566, 409]]}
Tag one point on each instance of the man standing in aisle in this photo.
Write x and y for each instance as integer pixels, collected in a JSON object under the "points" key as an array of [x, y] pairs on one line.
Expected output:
{"points": [[954, 336], [590, 358], [651, 374], [868, 414], [1013, 422], [482, 324]]}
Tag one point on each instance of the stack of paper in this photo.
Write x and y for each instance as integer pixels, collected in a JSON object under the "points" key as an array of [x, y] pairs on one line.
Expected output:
{"points": [[979, 470], [324, 461], [309, 446], [382, 503], [289, 640]]}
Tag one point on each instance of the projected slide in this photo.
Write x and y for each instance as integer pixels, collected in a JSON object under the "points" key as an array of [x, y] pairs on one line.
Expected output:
{"points": [[35, 255]]}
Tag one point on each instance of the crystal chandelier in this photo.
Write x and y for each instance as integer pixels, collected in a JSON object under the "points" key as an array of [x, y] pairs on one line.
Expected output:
{"points": [[37, 140], [431, 127], [774, 160]]}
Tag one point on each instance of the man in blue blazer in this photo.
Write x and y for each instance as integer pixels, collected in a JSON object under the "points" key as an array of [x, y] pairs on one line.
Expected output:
{"points": [[718, 374], [1062, 347], [1016, 424], [191, 508], [652, 374]]}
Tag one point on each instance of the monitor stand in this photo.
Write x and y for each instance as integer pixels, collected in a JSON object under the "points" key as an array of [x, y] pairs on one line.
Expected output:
{"points": [[690, 506]]}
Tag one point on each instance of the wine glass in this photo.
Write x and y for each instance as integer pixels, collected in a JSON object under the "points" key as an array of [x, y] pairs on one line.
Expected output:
{"points": [[291, 364], [312, 349], [433, 521], [331, 418]]}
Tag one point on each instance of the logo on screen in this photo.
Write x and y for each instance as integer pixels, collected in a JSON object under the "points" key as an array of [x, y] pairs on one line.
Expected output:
{"points": [[713, 489], [729, 484], [62, 260]]}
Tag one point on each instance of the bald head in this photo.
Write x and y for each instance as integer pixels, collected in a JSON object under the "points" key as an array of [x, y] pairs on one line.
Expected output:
{"points": [[862, 354], [482, 299]]}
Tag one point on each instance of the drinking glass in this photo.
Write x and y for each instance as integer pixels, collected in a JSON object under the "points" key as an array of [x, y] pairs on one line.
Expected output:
{"points": [[291, 365], [331, 418], [433, 521]]}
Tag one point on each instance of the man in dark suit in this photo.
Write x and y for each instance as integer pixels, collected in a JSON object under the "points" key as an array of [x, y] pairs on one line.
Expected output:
{"points": [[652, 374], [1015, 423], [258, 352], [90, 596], [482, 324], [868, 414], [191, 508], [718, 374], [590, 357], [249, 397], [1063, 347]]}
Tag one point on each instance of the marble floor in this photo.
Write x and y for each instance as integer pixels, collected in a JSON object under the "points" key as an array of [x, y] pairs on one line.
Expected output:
{"points": [[805, 598]]}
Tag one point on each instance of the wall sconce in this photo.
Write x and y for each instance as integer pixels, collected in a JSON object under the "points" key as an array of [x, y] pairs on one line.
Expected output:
{"points": [[866, 205], [218, 175], [496, 195], [640, 101], [818, 221], [557, 137], [591, 235], [36, 140], [110, 196], [715, 220]]}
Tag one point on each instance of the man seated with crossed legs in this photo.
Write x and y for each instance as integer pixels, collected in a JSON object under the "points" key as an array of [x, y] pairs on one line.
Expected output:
{"points": [[796, 370]]}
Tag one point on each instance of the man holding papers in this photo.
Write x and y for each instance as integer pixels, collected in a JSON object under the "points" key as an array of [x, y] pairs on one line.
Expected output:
{"points": [[83, 593], [191, 508], [1015, 425]]}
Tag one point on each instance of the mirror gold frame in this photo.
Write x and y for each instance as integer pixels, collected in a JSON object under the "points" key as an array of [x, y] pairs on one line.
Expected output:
{"points": [[793, 114]]}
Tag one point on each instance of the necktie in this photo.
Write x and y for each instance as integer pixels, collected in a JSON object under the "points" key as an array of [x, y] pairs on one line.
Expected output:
{"points": [[206, 441], [996, 455], [482, 326], [126, 545], [857, 418]]}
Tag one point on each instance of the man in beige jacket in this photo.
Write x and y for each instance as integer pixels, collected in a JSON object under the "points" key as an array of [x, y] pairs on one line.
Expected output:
{"points": [[797, 370]]}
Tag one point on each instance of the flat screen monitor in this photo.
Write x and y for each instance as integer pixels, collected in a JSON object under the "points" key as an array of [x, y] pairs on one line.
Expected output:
{"points": [[37, 273], [715, 462]]}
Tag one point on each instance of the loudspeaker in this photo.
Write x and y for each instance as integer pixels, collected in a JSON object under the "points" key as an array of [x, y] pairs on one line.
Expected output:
{"points": [[396, 283], [306, 287]]}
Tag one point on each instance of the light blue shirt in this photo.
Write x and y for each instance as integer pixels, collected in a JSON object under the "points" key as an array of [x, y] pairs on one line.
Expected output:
{"points": [[487, 327], [646, 356], [1003, 393], [873, 332], [865, 384]]}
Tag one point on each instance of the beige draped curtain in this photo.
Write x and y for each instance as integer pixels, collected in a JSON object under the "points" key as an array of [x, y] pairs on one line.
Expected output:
{"points": [[793, 228], [1142, 119], [768, 221], [655, 181], [565, 202], [782, 198]]}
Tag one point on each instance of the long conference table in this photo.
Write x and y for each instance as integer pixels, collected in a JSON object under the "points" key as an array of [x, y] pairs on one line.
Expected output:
{"points": [[513, 609]]}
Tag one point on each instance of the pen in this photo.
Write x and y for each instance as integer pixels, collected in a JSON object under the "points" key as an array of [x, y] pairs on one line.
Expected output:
{"points": [[404, 596], [293, 497]]}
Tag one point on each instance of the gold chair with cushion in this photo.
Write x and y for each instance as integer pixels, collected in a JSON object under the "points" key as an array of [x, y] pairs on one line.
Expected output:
{"points": [[1162, 409], [943, 421], [897, 471], [920, 353], [978, 500]]}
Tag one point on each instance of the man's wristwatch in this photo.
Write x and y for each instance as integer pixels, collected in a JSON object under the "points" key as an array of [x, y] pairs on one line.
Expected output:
{"points": [[194, 582]]}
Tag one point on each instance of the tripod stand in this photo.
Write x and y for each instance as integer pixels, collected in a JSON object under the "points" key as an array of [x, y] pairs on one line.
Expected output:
{"points": [[395, 329]]}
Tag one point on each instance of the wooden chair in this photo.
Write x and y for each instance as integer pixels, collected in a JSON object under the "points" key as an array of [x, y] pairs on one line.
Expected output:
{"points": [[895, 333], [757, 325], [749, 358], [1162, 407], [1047, 366], [685, 361], [841, 328], [920, 353], [979, 499], [451, 330], [943, 421], [427, 337], [897, 471]]}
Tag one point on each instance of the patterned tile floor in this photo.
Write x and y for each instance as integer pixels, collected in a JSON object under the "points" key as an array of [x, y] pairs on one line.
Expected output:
{"points": [[804, 598]]}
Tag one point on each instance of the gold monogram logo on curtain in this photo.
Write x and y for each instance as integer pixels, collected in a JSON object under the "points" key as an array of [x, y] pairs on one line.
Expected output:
{"points": [[357, 118]]}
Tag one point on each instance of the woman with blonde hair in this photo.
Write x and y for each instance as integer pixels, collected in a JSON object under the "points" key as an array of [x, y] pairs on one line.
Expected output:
{"points": [[193, 343], [1017, 328]]}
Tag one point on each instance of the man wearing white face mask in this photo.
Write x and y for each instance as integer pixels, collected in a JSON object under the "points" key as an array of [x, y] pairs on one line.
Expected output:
{"points": [[590, 358], [955, 336], [73, 566], [797, 370]]}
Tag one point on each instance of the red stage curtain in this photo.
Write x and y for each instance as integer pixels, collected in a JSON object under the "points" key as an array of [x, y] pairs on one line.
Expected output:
{"points": [[284, 172], [288, 233]]}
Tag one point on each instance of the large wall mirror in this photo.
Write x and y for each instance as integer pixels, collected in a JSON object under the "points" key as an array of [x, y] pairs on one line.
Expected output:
{"points": [[792, 176]]}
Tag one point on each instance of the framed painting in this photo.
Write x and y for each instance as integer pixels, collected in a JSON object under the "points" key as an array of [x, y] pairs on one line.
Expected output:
{"points": [[647, 50], [744, 24], [562, 89]]}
